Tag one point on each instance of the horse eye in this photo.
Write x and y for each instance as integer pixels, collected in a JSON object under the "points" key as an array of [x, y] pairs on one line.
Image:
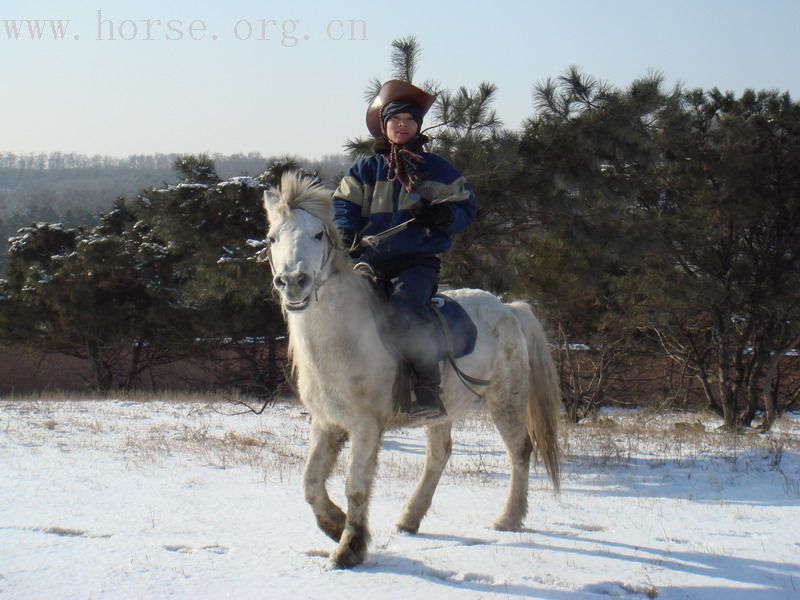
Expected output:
{"points": [[270, 239], [318, 236]]}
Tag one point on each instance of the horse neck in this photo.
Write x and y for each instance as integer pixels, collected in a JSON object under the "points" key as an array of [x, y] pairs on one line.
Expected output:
{"points": [[340, 317]]}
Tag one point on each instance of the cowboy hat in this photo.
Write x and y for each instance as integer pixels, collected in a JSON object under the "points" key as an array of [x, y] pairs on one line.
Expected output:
{"points": [[396, 90]]}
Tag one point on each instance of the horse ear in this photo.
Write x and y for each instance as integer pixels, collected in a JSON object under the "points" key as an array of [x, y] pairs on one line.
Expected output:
{"points": [[271, 204]]}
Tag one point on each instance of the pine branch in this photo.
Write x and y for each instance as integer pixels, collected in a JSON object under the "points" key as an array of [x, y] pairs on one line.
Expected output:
{"points": [[373, 87], [405, 55]]}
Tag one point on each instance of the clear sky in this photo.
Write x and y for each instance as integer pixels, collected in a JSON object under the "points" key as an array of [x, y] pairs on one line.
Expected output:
{"points": [[288, 77]]}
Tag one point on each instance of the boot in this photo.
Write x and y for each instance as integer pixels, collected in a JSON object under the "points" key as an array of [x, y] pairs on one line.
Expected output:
{"points": [[427, 401]]}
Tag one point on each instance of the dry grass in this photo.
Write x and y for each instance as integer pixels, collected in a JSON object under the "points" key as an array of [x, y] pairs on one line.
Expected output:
{"points": [[65, 532], [197, 396], [661, 438], [624, 440], [275, 443], [215, 446]]}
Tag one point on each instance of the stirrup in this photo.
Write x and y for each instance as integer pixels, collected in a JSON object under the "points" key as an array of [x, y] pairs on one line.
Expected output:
{"points": [[426, 412]]}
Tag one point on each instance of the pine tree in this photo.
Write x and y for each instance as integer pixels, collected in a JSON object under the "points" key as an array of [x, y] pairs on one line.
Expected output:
{"points": [[196, 169], [70, 279], [212, 233], [721, 288], [589, 157], [170, 274]]}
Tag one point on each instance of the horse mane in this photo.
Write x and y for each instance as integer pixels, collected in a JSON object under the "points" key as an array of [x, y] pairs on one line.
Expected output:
{"points": [[300, 191]]}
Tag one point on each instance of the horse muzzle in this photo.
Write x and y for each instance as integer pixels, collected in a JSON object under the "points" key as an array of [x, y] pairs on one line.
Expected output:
{"points": [[295, 290]]}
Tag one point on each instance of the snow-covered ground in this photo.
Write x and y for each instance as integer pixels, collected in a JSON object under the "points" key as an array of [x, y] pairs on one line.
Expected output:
{"points": [[131, 499]]}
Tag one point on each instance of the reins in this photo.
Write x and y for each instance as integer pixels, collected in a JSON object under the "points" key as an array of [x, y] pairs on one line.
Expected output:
{"points": [[330, 248]]}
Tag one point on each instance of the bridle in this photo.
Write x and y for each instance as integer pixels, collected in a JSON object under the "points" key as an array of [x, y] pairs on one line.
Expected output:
{"points": [[322, 275]]}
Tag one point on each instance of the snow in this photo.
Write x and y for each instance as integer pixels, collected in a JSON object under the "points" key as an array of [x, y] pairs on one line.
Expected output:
{"points": [[190, 186], [242, 181], [174, 499]]}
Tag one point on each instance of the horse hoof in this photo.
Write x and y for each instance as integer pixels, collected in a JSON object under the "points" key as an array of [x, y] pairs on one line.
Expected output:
{"points": [[507, 525], [409, 529], [347, 559], [350, 553]]}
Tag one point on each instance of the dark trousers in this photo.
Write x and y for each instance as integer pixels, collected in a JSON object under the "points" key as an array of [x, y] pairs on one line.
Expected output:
{"points": [[413, 282]]}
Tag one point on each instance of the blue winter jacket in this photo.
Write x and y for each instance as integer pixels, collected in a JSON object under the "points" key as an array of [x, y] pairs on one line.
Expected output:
{"points": [[366, 202]]}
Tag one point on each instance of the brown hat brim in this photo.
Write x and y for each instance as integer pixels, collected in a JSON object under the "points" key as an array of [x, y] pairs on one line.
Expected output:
{"points": [[396, 90]]}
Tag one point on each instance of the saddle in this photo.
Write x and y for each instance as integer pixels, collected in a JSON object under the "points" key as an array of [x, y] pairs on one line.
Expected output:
{"points": [[456, 333]]}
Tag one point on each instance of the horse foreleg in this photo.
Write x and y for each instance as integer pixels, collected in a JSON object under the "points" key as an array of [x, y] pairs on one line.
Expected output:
{"points": [[352, 549], [440, 446], [326, 443]]}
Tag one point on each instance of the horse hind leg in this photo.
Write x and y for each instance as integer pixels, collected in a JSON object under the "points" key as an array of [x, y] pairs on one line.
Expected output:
{"points": [[325, 446], [439, 448], [509, 416]]}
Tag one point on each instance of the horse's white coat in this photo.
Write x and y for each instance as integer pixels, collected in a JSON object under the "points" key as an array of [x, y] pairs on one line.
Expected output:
{"points": [[345, 374]]}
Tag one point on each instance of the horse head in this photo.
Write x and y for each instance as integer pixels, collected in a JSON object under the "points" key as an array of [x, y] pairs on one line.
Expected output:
{"points": [[302, 240]]}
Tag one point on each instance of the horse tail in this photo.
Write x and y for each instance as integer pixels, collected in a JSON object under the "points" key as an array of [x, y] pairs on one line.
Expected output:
{"points": [[544, 397]]}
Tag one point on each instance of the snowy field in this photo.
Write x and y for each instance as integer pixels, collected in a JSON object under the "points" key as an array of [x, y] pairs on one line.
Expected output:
{"points": [[131, 499]]}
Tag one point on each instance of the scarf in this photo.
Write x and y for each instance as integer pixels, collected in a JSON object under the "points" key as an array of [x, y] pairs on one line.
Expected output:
{"points": [[404, 160]]}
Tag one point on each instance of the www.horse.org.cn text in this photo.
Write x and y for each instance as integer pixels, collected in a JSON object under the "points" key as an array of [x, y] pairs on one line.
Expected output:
{"points": [[106, 27]]}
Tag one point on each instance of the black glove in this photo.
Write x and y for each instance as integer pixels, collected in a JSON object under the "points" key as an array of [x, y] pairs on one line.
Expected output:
{"points": [[348, 237], [434, 216]]}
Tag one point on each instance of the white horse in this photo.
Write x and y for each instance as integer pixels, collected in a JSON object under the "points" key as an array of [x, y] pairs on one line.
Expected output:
{"points": [[345, 374]]}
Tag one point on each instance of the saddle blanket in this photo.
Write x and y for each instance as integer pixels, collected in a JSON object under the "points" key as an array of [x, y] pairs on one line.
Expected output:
{"points": [[459, 333]]}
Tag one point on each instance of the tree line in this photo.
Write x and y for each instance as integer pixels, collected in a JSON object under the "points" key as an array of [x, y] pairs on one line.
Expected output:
{"points": [[74, 189], [643, 221], [168, 274], [664, 221]]}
